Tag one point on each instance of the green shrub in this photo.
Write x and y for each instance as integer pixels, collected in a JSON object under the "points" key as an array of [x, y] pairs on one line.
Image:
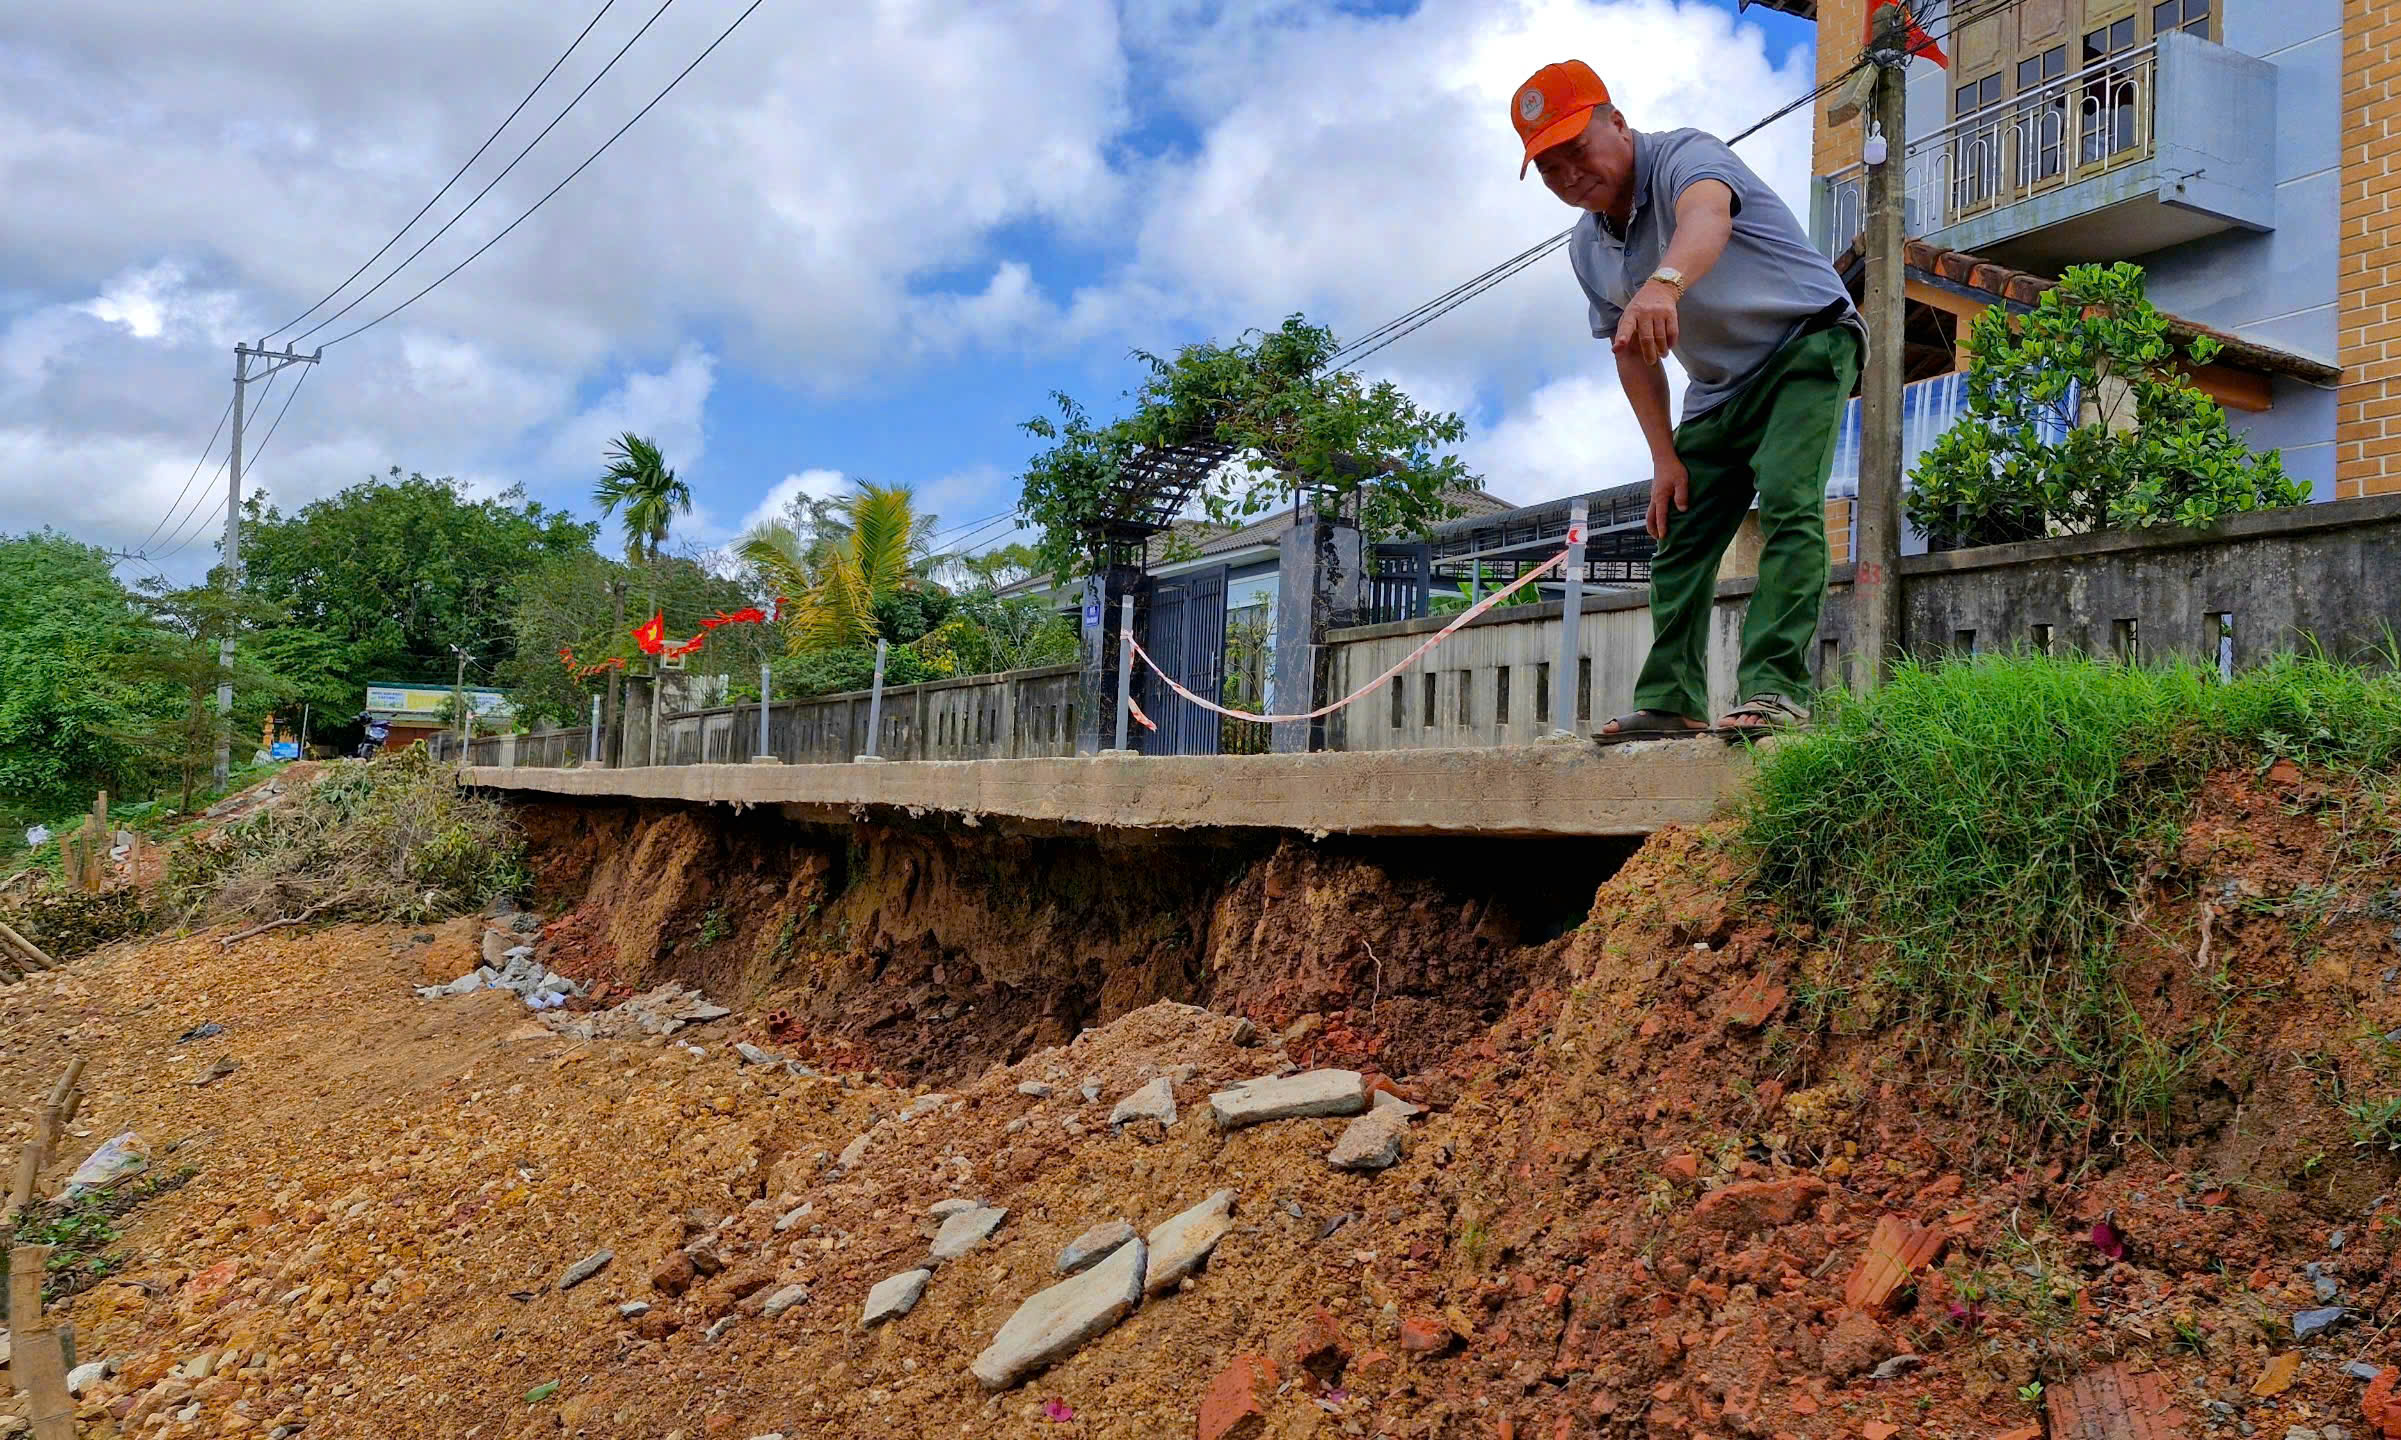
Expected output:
{"points": [[2162, 453]]}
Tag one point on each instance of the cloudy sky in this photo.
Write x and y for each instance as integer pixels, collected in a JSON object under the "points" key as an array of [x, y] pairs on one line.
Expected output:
{"points": [[861, 240]]}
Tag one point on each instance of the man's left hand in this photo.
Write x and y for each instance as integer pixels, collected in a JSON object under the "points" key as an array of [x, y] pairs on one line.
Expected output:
{"points": [[1647, 329]]}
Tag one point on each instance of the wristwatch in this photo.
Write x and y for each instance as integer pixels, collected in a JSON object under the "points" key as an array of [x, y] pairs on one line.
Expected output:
{"points": [[1671, 277]]}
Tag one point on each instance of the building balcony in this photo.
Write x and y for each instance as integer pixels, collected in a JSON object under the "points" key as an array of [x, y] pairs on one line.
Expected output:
{"points": [[2151, 148]]}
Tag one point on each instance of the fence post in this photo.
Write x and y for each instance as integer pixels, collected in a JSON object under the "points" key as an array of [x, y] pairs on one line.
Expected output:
{"points": [[763, 755], [592, 735], [508, 749], [1125, 672], [875, 710], [1571, 629]]}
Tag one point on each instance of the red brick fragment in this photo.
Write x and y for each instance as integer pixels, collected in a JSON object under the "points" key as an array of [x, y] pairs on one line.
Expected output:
{"points": [[1317, 1347], [2381, 1406], [1898, 1248], [1686, 1167], [1235, 1407], [2114, 1403], [1755, 1004], [1759, 1204], [1421, 1336]]}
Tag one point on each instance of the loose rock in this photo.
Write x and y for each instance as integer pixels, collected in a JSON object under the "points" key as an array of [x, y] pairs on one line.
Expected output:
{"points": [[965, 1230], [1155, 1101], [2310, 1324], [1093, 1246], [586, 1268], [1371, 1142], [784, 1299], [1034, 1088], [1178, 1245], [1057, 1322], [894, 1297], [1315, 1092]]}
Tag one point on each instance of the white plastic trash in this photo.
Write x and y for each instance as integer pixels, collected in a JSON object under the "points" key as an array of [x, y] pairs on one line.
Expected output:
{"points": [[36, 835], [125, 1155]]}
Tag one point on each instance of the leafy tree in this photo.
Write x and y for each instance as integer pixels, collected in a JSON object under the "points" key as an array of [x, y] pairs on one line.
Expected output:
{"points": [[576, 601], [2161, 454], [66, 703], [842, 578], [1297, 428], [841, 668], [180, 655], [390, 574], [989, 633]]}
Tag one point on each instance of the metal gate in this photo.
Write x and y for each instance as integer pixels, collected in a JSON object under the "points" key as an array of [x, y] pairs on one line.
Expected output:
{"points": [[1399, 583], [1186, 634]]}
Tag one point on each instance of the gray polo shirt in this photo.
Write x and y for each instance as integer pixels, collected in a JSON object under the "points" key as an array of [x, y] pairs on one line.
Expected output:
{"points": [[1768, 284]]}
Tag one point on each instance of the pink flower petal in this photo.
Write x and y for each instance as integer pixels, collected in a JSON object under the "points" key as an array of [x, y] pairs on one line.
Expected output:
{"points": [[1057, 1412]]}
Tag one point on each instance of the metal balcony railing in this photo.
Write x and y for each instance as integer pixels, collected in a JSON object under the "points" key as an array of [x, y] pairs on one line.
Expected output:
{"points": [[2067, 130]]}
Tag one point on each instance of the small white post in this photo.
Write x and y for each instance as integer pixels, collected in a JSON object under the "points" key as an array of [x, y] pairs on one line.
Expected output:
{"points": [[875, 711], [592, 737], [763, 756], [1125, 673], [1571, 629]]}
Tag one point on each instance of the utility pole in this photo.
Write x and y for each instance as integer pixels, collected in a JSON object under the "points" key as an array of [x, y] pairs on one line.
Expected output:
{"points": [[1875, 581], [269, 362], [458, 693]]}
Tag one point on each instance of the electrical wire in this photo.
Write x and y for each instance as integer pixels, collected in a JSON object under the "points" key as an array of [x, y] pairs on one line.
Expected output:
{"points": [[222, 416], [289, 397], [555, 189], [218, 509], [1408, 323], [394, 272], [458, 174]]}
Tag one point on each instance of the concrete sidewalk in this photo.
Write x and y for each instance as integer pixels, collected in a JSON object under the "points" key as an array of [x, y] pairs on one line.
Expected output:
{"points": [[1564, 789]]}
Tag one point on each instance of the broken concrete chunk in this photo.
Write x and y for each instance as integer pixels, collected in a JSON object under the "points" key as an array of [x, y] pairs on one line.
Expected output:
{"points": [[1093, 1246], [944, 1209], [1289, 1097], [1371, 1142], [752, 1054], [795, 1215], [1034, 1088], [1091, 1088], [1179, 1244], [965, 1230], [1155, 1101], [633, 1309], [1061, 1320], [586, 1268], [784, 1299], [1386, 1100], [894, 1297], [852, 1153]]}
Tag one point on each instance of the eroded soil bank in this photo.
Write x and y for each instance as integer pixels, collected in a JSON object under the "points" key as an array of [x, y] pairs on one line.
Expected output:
{"points": [[934, 951]]}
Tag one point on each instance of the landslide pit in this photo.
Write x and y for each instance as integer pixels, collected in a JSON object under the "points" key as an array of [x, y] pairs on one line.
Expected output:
{"points": [[1664, 1130]]}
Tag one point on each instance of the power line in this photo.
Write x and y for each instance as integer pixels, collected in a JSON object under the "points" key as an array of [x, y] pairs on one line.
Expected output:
{"points": [[277, 424], [555, 189], [219, 508], [461, 171], [222, 416], [1408, 323], [394, 272]]}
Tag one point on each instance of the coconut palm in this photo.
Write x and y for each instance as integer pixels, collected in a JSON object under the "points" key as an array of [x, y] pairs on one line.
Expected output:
{"points": [[834, 578], [639, 482]]}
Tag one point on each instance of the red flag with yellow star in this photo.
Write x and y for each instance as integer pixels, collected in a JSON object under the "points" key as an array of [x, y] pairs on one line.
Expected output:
{"points": [[651, 634]]}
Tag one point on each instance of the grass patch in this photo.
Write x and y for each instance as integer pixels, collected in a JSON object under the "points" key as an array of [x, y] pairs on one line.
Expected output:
{"points": [[1978, 825], [82, 1230]]}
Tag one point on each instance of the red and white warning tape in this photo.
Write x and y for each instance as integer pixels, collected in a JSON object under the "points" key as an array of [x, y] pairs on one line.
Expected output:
{"points": [[1495, 598]]}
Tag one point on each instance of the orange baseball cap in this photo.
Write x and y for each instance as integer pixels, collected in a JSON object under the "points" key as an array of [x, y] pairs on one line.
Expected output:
{"points": [[1552, 106]]}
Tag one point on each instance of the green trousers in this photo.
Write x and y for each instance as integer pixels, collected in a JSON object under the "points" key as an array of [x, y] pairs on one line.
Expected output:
{"points": [[1774, 440]]}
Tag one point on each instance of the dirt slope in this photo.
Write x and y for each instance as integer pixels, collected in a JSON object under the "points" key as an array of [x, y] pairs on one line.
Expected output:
{"points": [[1641, 1203]]}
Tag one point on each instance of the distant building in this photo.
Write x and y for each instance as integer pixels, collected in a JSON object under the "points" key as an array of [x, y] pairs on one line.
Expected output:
{"points": [[2235, 149], [417, 711]]}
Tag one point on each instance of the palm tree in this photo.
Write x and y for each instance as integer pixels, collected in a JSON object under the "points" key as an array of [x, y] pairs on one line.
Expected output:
{"points": [[639, 482], [875, 548]]}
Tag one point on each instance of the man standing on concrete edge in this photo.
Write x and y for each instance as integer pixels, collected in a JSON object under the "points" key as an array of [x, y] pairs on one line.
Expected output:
{"points": [[1683, 251]]}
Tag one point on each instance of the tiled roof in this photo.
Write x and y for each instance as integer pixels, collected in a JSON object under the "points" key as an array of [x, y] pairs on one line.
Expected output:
{"points": [[2020, 287]]}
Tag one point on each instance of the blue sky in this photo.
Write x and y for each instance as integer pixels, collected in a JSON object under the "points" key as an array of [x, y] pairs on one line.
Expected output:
{"points": [[863, 244]]}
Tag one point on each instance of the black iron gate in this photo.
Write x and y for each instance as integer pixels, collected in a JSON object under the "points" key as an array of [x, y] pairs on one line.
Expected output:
{"points": [[1399, 583], [1186, 634]]}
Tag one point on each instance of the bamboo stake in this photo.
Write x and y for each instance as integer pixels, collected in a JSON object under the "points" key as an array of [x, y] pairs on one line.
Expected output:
{"points": [[37, 1361], [46, 1128], [33, 952], [102, 841]]}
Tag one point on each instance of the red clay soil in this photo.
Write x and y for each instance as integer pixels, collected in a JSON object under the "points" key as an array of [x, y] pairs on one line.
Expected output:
{"points": [[1656, 1194]]}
